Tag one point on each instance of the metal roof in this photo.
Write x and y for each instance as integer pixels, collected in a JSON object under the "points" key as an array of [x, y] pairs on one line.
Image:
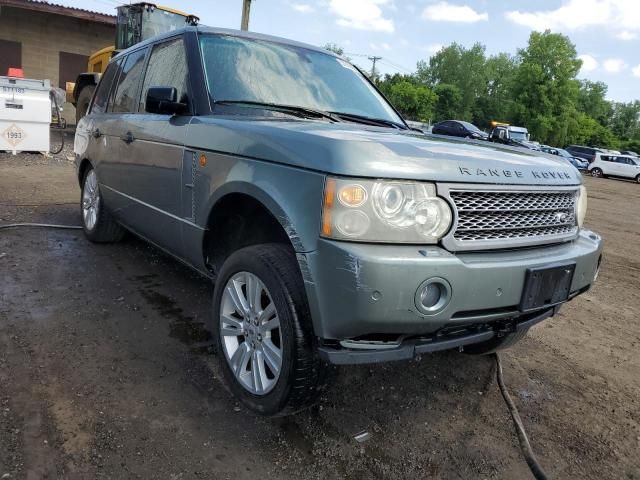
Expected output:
{"points": [[56, 9]]}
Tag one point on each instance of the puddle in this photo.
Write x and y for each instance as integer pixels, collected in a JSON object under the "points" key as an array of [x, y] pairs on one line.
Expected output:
{"points": [[182, 327], [293, 434]]}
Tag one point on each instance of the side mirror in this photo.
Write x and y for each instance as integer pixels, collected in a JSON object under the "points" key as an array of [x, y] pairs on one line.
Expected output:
{"points": [[163, 100]]}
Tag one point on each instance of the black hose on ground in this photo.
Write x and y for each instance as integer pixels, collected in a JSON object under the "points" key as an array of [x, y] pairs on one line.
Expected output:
{"points": [[527, 451], [41, 225]]}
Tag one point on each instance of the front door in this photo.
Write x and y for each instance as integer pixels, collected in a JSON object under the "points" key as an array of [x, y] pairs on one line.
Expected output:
{"points": [[154, 151]]}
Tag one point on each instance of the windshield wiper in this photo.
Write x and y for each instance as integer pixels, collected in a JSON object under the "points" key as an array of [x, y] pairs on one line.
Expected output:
{"points": [[352, 117], [303, 112]]}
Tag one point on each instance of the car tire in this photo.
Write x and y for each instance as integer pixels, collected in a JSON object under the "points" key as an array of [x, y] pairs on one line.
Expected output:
{"points": [[496, 343], [638, 179], [84, 99], [97, 222], [596, 172], [245, 344]]}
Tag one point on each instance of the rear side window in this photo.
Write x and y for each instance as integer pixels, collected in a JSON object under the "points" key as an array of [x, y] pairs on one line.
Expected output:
{"points": [[126, 96], [104, 87], [167, 68]]}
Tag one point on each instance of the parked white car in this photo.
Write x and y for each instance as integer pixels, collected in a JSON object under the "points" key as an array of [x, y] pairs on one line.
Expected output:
{"points": [[624, 166]]}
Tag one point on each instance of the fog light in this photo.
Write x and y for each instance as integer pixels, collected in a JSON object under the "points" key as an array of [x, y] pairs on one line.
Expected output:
{"points": [[433, 296], [430, 295]]}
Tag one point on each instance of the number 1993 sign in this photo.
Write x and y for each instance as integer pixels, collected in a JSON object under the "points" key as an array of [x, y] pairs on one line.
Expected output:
{"points": [[14, 135]]}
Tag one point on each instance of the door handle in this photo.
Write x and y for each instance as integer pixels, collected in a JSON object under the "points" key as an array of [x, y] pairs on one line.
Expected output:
{"points": [[127, 137], [96, 133]]}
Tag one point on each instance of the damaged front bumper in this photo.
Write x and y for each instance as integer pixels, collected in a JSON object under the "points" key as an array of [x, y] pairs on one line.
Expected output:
{"points": [[358, 292]]}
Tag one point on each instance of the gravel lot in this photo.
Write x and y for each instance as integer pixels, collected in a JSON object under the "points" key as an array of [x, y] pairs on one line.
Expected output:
{"points": [[105, 373]]}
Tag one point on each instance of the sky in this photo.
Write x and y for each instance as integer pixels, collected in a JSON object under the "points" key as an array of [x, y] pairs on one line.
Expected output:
{"points": [[606, 32]]}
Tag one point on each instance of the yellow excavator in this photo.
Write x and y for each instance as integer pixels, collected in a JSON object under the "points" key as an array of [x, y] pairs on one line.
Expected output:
{"points": [[135, 22]]}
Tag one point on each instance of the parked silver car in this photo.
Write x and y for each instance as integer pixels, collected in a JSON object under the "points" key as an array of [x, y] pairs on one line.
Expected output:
{"points": [[334, 233]]}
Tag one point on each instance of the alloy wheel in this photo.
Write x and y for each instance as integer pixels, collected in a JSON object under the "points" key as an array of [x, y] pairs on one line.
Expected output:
{"points": [[90, 200], [250, 332]]}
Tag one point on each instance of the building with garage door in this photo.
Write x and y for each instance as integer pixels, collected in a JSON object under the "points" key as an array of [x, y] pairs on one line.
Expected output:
{"points": [[50, 41]]}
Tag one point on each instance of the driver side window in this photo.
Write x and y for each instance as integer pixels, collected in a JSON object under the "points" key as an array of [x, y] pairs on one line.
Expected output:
{"points": [[167, 68]]}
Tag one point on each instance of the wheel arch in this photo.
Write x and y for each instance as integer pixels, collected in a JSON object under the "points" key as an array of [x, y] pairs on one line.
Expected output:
{"points": [[83, 166], [239, 215]]}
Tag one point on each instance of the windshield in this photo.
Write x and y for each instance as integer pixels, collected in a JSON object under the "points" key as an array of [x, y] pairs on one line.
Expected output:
{"points": [[471, 127], [268, 72], [563, 153], [519, 136], [160, 21]]}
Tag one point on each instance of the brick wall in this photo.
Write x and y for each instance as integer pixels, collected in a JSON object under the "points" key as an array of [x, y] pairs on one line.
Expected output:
{"points": [[43, 36]]}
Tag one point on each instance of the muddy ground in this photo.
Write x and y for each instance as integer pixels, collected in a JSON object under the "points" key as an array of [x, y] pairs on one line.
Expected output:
{"points": [[105, 373]]}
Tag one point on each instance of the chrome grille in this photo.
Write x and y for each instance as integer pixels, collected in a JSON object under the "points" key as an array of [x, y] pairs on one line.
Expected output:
{"points": [[504, 219], [512, 201]]}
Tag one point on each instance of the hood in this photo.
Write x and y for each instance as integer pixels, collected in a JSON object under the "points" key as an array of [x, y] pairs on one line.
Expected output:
{"points": [[350, 149], [482, 135], [529, 145]]}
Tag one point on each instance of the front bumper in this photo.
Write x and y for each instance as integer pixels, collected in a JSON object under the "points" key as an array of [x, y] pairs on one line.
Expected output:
{"points": [[358, 290]]}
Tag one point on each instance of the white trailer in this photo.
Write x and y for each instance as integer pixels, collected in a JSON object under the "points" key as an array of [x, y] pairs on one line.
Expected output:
{"points": [[25, 114]]}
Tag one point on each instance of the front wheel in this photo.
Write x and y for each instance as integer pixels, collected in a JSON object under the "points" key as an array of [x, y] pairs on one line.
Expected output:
{"points": [[596, 172], [496, 343], [262, 328], [638, 179]]}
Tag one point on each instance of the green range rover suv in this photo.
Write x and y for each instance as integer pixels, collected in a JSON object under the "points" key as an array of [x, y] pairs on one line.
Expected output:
{"points": [[334, 233]]}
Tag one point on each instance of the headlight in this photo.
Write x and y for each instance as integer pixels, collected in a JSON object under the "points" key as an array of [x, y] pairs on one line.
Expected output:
{"points": [[384, 211], [581, 205]]}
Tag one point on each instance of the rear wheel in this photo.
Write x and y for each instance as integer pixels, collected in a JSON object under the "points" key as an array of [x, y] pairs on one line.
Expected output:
{"points": [[98, 223], [84, 99], [262, 328], [496, 343], [638, 179], [596, 172]]}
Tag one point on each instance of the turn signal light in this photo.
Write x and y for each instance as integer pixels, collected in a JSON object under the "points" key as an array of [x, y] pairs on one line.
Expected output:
{"points": [[352, 195], [329, 196]]}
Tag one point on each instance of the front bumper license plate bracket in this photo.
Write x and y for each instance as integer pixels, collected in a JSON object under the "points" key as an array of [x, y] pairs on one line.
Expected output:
{"points": [[546, 286]]}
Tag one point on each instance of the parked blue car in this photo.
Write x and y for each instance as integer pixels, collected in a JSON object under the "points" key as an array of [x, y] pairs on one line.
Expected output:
{"points": [[579, 163]]}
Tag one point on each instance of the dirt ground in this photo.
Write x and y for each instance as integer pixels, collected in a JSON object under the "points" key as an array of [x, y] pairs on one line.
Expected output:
{"points": [[105, 372]]}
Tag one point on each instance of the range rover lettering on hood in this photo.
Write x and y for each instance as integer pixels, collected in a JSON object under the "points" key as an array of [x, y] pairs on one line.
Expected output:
{"points": [[508, 173]]}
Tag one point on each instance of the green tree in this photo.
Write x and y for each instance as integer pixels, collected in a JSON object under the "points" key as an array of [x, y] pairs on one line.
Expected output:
{"points": [[545, 88], [625, 120], [463, 68], [592, 101], [335, 48], [413, 101], [449, 102], [585, 130], [496, 101]]}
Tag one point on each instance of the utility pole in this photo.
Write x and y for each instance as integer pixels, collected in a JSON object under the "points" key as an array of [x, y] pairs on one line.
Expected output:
{"points": [[374, 59], [246, 11]]}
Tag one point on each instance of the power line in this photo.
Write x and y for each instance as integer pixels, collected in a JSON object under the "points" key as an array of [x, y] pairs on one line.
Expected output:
{"points": [[381, 59], [396, 66]]}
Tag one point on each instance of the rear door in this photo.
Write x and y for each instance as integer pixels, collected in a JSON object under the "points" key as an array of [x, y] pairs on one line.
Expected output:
{"points": [[123, 103], [609, 165], [98, 131], [155, 148], [459, 130]]}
